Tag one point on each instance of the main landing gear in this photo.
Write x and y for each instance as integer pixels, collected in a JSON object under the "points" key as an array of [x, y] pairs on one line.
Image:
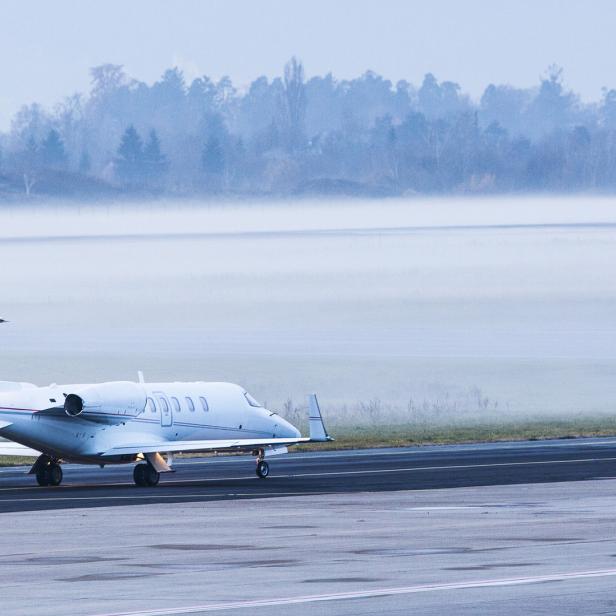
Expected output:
{"points": [[48, 472], [145, 475], [262, 469]]}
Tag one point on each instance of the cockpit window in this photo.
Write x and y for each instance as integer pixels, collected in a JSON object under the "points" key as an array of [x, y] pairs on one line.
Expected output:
{"points": [[251, 400]]}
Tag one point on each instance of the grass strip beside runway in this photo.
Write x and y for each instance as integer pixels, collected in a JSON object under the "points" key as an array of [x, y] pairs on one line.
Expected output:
{"points": [[365, 436]]}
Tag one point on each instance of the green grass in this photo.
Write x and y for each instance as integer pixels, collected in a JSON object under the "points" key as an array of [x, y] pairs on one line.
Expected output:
{"points": [[361, 437], [15, 461], [404, 435]]}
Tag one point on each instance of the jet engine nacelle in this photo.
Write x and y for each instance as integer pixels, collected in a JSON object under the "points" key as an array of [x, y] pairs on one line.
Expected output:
{"points": [[106, 403]]}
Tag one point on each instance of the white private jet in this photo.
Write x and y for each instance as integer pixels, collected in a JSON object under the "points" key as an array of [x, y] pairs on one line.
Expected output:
{"points": [[123, 422]]}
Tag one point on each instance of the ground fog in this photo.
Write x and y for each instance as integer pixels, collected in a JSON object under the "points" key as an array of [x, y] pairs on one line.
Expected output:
{"points": [[395, 312]]}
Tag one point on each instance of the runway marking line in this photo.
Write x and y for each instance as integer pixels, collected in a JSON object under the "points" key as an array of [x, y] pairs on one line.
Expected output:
{"points": [[442, 467], [375, 452], [201, 496], [354, 453], [366, 594], [324, 474]]}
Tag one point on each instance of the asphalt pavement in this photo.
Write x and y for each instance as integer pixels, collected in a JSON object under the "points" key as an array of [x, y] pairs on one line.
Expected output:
{"points": [[504, 529], [375, 470]]}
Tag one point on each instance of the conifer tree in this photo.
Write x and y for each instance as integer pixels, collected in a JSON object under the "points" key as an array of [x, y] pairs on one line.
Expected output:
{"points": [[129, 162]]}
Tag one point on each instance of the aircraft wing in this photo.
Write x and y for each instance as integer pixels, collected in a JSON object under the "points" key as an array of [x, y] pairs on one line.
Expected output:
{"points": [[9, 448], [197, 446]]}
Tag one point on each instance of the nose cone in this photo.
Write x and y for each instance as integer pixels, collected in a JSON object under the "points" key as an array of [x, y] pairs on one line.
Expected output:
{"points": [[286, 429]]}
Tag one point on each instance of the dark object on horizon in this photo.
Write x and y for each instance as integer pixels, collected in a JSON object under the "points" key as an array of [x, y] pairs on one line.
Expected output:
{"points": [[3, 321]]}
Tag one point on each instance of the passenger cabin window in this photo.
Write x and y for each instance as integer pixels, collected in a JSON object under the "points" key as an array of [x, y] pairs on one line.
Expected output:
{"points": [[152, 405], [164, 405], [251, 400], [204, 404], [176, 405], [190, 404]]}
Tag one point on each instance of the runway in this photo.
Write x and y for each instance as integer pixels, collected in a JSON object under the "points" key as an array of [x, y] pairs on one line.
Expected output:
{"points": [[493, 529], [376, 470]]}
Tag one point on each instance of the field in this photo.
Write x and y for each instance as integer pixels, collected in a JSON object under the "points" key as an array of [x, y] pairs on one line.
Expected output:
{"points": [[414, 320]]}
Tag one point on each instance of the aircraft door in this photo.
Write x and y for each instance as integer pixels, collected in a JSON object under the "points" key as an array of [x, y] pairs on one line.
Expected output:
{"points": [[166, 412]]}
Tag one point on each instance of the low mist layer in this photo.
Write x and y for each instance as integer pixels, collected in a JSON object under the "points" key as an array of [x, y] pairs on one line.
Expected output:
{"points": [[423, 313]]}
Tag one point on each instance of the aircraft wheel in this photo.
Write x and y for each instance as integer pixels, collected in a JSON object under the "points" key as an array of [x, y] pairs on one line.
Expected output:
{"points": [[262, 469], [139, 475], [152, 476], [41, 477], [54, 474]]}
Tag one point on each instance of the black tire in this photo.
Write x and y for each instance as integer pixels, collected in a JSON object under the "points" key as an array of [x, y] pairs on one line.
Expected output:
{"points": [[262, 469], [54, 474], [152, 476], [41, 477], [139, 475]]}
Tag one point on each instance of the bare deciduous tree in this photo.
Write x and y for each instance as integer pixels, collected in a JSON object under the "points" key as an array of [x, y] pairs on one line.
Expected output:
{"points": [[294, 102]]}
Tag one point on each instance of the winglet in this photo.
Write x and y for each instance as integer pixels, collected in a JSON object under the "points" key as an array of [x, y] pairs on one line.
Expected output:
{"points": [[315, 421]]}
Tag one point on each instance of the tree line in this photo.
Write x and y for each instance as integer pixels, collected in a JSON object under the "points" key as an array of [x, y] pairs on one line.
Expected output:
{"points": [[293, 135]]}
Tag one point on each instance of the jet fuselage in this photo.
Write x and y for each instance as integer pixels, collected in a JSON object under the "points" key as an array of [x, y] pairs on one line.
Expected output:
{"points": [[50, 420]]}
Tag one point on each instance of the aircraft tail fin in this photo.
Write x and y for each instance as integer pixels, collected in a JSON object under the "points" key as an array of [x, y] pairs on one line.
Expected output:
{"points": [[315, 421]]}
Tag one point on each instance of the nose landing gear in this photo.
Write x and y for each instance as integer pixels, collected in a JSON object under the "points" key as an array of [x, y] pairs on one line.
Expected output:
{"points": [[262, 469]]}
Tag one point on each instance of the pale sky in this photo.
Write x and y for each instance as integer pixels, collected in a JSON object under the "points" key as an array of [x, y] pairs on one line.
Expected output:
{"points": [[47, 47]]}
